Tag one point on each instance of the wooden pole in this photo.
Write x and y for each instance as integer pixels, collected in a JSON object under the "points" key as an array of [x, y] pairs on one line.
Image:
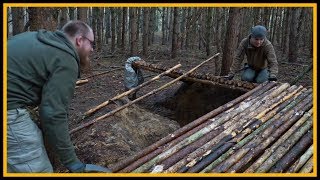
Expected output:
{"points": [[270, 152], [307, 168], [301, 161], [82, 81], [283, 109], [293, 154], [86, 114], [138, 99], [265, 139]]}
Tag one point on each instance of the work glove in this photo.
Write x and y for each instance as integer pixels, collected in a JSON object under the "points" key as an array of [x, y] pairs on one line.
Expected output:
{"points": [[229, 77], [273, 78], [87, 168]]}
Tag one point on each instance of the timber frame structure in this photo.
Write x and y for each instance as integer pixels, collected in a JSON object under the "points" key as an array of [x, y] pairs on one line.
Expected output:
{"points": [[268, 129]]}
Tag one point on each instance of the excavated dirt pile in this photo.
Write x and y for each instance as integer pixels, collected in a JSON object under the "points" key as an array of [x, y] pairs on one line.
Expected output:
{"points": [[120, 136]]}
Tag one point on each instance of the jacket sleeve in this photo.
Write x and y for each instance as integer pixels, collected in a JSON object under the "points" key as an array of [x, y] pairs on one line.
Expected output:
{"points": [[238, 58], [272, 61], [56, 96]]}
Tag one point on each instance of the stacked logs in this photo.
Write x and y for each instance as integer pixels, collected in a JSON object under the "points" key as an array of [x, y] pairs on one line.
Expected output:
{"points": [[267, 129], [197, 77]]}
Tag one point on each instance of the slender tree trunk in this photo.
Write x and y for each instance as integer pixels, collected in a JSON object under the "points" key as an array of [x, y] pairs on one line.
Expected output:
{"points": [[174, 33], [82, 14], [133, 31], [163, 26], [113, 29], [208, 31], [123, 30], [293, 42], [231, 40], [17, 20], [63, 17], [145, 37]]}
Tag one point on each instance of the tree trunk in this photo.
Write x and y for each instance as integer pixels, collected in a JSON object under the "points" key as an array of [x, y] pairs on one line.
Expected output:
{"points": [[43, 18], [17, 20], [174, 47], [123, 30], [145, 37], [231, 40], [293, 43], [82, 14], [113, 29], [208, 31], [133, 31]]}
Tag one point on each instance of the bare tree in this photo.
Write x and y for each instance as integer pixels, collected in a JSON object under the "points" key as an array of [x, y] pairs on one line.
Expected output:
{"points": [[43, 18], [17, 20], [145, 37], [82, 14], [231, 39], [293, 43], [174, 47], [133, 31], [63, 17], [208, 31], [113, 29], [123, 30]]}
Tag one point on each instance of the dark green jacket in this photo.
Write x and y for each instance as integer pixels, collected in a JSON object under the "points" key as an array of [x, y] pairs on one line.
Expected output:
{"points": [[43, 68], [258, 58]]}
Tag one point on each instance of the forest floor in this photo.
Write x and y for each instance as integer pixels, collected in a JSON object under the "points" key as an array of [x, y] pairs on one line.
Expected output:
{"points": [[130, 130]]}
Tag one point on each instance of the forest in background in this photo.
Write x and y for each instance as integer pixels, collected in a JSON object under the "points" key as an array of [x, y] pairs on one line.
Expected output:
{"points": [[209, 29]]}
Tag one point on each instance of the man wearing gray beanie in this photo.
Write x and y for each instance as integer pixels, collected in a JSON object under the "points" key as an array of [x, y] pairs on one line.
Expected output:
{"points": [[261, 63]]}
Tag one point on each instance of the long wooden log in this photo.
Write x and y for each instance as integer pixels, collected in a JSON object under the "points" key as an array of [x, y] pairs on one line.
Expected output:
{"points": [[186, 150], [89, 112], [187, 130], [274, 153], [260, 129], [202, 78], [292, 155], [140, 98], [307, 168], [229, 127], [281, 150], [301, 161], [256, 143], [237, 146], [270, 135], [251, 127]]}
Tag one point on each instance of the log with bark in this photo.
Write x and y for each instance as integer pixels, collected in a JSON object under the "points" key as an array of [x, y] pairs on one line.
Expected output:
{"points": [[308, 167], [255, 146], [296, 166], [270, 135], [269, 157], [285, 162]]}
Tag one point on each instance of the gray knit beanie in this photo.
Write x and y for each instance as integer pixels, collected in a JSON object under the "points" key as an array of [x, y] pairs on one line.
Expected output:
{"points": [[259, 32]]}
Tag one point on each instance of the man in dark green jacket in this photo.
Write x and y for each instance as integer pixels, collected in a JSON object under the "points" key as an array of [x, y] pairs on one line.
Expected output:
{"points": [[262, 64], [43, 68]]}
